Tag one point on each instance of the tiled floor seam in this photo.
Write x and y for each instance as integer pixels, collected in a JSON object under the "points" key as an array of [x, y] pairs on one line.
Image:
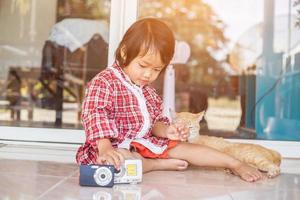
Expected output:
{"points": [[57, 184]]}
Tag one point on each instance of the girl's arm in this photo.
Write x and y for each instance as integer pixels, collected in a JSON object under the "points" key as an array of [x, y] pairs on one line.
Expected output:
{"points": [[172, 132], [103, 146], [159, 129]]}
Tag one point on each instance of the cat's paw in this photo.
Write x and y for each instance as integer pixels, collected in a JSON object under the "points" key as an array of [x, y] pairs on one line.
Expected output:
{"points": [[228, 171], [273, 171]]}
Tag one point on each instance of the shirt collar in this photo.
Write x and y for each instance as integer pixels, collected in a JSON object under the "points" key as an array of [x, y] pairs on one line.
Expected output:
{"points": [[116, 65]]}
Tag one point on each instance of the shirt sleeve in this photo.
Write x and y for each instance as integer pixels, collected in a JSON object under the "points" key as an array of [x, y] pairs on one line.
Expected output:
{"points": [[97, 111], [159, 117]]}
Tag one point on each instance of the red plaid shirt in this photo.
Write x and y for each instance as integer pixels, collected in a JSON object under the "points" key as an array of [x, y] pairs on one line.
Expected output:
{"points": [[111, 110]]}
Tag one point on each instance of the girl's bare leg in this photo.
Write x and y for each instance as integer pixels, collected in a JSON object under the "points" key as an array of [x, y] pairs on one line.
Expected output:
{"points": [[155, 164], [200, 155]]}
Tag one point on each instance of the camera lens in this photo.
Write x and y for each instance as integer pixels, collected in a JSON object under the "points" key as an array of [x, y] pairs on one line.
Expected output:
{"points": [[103, 176], [120, 172]]}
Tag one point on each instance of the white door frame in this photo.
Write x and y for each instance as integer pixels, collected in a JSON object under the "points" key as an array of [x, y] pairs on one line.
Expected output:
{"points": [[123, 14]]}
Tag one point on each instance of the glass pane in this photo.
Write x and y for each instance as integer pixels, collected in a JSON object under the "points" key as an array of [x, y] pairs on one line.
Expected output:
{"points": [[232, 43], [278, 78], [49, 50]]}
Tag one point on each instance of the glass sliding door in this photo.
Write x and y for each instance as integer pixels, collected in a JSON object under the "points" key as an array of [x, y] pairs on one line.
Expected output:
{"points": [[277, 106], [49, 50], [243, 67], [242, 71], [48, 53]]}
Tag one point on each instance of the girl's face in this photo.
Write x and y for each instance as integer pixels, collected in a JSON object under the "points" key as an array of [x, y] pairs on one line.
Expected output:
{"points": [[143, 70]]}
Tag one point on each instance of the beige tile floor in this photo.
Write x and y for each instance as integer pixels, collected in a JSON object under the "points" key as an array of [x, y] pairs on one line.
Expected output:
{"points": [[24, 179]]}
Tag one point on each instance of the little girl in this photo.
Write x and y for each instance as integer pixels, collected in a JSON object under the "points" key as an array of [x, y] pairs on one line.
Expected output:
{"points": [[122, 114]]}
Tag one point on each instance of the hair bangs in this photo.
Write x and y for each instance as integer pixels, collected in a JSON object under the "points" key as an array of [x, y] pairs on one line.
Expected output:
{"points": [[144, 36]]}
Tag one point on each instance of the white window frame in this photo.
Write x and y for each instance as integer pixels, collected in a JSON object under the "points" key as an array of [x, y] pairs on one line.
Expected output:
{"points": [[123, 14]]}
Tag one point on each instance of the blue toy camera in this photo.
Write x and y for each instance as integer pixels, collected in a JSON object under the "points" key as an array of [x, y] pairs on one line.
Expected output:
{"points": [[97, 175], [131, 171]]}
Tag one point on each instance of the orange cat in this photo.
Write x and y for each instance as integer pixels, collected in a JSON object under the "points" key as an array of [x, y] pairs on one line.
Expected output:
{"points": [[264, 159]]}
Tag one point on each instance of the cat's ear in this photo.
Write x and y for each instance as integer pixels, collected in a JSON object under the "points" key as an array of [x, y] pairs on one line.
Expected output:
{"points": [[173, 114], [200, 115]]}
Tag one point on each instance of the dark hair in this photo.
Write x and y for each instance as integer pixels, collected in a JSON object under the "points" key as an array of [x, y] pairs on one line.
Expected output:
{"points": [[144, 35]]}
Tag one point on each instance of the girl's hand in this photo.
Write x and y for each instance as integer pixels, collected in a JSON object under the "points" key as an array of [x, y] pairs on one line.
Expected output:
{"points": [[177, 132], [111, 156]]}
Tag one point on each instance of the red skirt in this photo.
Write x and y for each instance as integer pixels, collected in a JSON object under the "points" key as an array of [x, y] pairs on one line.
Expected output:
{"points": [[147, 153]]}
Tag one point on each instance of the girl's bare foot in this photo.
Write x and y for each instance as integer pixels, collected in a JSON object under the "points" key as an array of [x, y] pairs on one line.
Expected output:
{"points": [[246, 172]]}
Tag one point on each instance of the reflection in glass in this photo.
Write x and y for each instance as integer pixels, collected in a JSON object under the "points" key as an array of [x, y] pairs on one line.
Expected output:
{"points": [[203, 83], [243, 69], [277, 101], [49, 50]]}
